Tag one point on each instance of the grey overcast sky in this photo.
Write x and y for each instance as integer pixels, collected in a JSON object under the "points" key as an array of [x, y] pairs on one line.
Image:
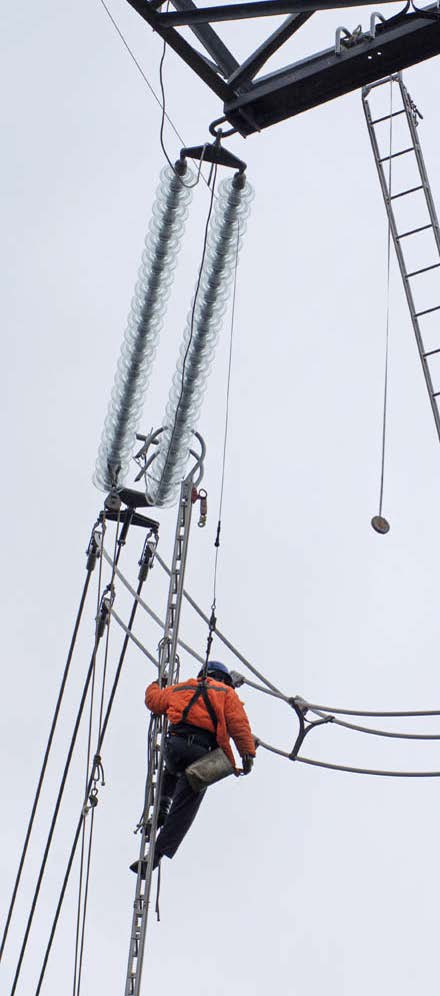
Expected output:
{"points": [[295, 879]]}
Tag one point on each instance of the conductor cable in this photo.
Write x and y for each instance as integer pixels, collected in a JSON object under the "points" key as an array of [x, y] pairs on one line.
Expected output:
{"points": [[94, 552]]}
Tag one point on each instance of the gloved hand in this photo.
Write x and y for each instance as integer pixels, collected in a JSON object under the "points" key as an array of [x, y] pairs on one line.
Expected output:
{"points": [[248, 762]]}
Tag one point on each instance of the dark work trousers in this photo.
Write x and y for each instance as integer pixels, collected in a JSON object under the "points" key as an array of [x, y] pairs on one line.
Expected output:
{"points": [[179, 754]]}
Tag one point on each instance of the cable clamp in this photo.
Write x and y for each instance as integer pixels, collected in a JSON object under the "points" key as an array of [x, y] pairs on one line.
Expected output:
{"points": [[94, 548], [301, 708], [105, 609], [148, 554]]}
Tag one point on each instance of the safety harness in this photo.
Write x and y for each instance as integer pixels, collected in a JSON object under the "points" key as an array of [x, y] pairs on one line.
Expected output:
{"points": [[201, 692]]}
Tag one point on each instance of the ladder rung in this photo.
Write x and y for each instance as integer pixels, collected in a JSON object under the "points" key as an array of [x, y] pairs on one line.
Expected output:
{"points": [[404, 192], [387, 117], [413, 231], [431, 352], [436, 394], [395, 154], [427, 311], [424, 269]]}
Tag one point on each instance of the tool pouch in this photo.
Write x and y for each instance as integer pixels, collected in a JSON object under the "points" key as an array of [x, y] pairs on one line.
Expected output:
{"points": [[210, 768]]}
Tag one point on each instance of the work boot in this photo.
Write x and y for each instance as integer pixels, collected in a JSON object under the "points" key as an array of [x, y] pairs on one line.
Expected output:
{"points": [[135, 866], [164, 809]]}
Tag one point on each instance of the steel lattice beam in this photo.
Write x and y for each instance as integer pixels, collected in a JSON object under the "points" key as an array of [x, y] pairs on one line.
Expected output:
{"points": [[251, 104]]}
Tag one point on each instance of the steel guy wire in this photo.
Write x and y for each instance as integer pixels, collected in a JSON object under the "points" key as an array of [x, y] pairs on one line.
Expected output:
{"points": [[47, 752]]}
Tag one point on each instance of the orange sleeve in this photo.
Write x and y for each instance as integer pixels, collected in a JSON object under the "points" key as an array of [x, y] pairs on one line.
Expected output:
{"points": [[237, 724], [156, 699]]}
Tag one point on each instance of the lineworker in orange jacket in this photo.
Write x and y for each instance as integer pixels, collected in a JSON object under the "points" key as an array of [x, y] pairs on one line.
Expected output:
{"points": [[202, 716]]}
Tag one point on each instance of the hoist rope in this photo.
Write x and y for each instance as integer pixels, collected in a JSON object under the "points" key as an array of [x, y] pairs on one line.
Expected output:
{"points": [[46, 756], [220, 635], [387, 329], [225, 434], [349, 768], [108, 710]]}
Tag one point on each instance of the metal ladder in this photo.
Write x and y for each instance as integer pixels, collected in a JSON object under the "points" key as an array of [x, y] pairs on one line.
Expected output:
{"points": [[409, 276], [168, 674]]}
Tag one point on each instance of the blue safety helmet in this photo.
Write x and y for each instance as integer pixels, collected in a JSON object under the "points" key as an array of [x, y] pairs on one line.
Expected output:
{"points": [[218, 670]]}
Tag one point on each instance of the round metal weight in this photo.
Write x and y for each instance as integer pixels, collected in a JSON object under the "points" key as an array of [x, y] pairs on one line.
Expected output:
{"points": [[380, 525]]}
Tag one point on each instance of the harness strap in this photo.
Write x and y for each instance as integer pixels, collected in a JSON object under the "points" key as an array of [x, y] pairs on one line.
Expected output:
{"points": [[201, 691]]}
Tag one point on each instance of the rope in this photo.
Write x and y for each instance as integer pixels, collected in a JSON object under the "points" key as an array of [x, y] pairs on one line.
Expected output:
{"points": [[387, 332], [221, 636], [345, 767], [46, 756], [225, 436]]}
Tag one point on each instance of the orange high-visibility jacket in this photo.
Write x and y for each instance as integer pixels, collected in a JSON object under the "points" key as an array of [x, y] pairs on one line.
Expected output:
{"points": [[231, 717]]}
